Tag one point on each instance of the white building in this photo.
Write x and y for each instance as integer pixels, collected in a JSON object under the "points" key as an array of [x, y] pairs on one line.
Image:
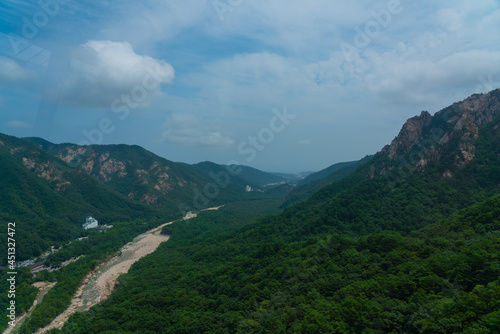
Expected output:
{"points": [[90, 223]]}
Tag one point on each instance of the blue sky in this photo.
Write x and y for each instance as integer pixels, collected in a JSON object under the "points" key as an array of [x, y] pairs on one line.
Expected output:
{"points": [[278, 85]]}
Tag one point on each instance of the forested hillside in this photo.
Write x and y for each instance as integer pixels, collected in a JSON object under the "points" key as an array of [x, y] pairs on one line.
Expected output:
{"points": [[317, 181], [49, 200], [327, 171], [239, 175], [139, 174], [440, 279]]}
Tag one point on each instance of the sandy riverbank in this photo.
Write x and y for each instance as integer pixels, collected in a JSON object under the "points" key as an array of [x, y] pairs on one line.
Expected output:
{"points": [[99, 284]]}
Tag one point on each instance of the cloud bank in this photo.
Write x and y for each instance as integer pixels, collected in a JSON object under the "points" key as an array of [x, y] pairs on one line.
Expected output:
{"points": [[11, 71], [103, 71], [192, 131]]}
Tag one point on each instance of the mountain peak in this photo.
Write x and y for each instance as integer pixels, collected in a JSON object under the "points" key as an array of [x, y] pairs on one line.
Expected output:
{"points": [[409, 135], [451, 132]]}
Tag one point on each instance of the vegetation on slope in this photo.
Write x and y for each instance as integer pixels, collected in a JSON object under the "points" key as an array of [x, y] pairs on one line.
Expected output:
{"points": [[440, 279], [98, 247], [50, 201], [317, 181]]}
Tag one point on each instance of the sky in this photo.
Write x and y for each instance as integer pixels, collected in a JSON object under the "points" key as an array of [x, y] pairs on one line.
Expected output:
{"points": [[280, 85]]}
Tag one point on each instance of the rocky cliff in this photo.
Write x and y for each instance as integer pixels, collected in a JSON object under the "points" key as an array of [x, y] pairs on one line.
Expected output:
{"points": [[450, 134], [131, 170]]}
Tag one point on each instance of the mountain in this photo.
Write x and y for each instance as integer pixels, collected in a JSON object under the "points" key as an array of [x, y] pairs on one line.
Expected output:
{"points": [[423, 140], [242, 175], [294, 178], [145, 177], [321, 179], [260, 178], [48, 198], [407, 243], [325, 172], [448, 138], [434, 167]]}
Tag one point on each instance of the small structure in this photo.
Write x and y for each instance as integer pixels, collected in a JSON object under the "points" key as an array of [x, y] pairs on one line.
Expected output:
{"points": [[105, 227], [90, 223], [37, 267], [248, 189], [190, 215]]}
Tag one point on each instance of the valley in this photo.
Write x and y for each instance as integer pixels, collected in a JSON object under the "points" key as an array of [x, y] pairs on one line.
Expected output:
{"points": [[249, 167], [98, 284], [405, 240]]}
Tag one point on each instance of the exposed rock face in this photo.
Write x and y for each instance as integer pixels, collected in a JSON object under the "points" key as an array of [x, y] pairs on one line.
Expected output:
{"points": [[409, 135], [136, 173], [72, 153], [425, 138], [111, 167], [46, 171]]}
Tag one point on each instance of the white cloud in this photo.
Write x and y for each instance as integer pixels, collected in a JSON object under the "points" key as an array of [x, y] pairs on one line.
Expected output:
{"points": [[11, 71], [293, 25], [151, 21], [254, 83], [396, 78], [305, 142], [103, 71], [18, 124], [192, 131]]}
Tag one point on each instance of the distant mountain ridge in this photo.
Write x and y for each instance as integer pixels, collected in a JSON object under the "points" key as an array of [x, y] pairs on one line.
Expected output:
{"points": [[315, 182], [131, 170], [145, 177], [294, 178], [243, 175], [325, 172]]}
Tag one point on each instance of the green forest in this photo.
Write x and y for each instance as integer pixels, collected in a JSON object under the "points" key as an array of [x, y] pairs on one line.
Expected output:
{"points": [[442, 278]]}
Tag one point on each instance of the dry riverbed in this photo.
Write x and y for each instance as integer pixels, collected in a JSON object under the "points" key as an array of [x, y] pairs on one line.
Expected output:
{"points": [[99, 284]]}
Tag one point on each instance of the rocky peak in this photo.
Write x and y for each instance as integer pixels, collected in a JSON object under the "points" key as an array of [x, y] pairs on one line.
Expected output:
{"points": [[409, 135], [455, 129]]}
